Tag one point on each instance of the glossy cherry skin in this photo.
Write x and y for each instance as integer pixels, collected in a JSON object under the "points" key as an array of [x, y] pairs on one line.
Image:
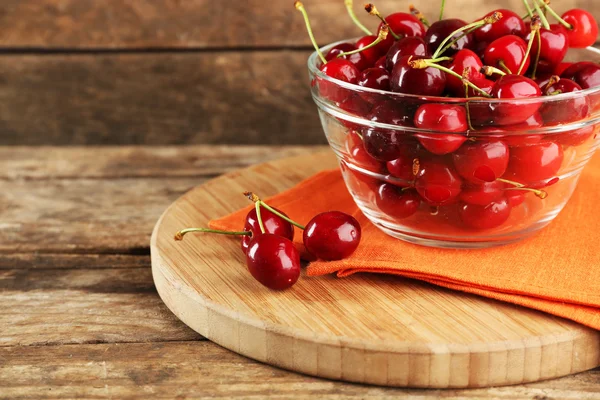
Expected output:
{"points": [[443, 118], [425, 82], [572, 70], [359, 60], [339, 49], [395, 202], [555, 45], [564, 111], [373, 53], [408, 46], [390, 112], [342, 70], [440, 30], [515, 197], [510, 24], [511, 50], [381, 63], [509, 134], [481, 161], [515, 87], [489, 216], [359, 156], [273, 261], [588, 76], [482, 194], [438, 183], [585, 28], [384, 145], [404, 24], [273, 224], [375, 78], [332, 235], [464, 59], [534, 163], [402, 167]]}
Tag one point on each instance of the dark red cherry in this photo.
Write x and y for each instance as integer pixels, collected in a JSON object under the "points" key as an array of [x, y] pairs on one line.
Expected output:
{"points": [[588, 77], [408, 46], [482, 194], [464, 59], [391, 112], [510, 24], [440, 30], [402, 167], [339, 49], [381, 63], [384, 145], [273, 224], [560, 68], [563, 111], [332, 235], [360, 60], [489, 216], [572, 70], [534, 163], [554, 46], [509, 51], [375, 78], [481, 161], [373, 53], [515, 87], [273, 261], [396, 202], [584, 30], [359, 156], [425, 82], [438, 183], [342, 70]]}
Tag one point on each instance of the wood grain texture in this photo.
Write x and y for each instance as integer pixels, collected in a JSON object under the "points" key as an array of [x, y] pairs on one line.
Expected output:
{"points": [[194, 370], [159, 99], [134, 24], [368, 329], [53, 307]]}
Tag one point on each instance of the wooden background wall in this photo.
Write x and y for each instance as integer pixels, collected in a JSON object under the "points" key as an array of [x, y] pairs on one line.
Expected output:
{"points": [[174, 71]]}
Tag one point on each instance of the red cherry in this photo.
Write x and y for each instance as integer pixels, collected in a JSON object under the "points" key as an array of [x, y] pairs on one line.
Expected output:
{"points": [[509, 134], [554, 47], [481, 161], [441, 117], [339, 49], [426, 82], [408, 46], [273, 261], [509, 50], [560, 68], [384, 145], [515, 197], [404, 24], [381, 63], [574, 138], [438, 183], [390, 112], [402, 167], [375, 78], [273, 224], [585, 28], [489, 216], [572, 70], [588, 76], [482, 83], [515, 87], [360, 60], [395, 202], [483, 194], [564, 111], [465, 59], [342, 70], [332, 235], [372, 53], [359, 156], [510, 24], [440, 143], [534, 163], [440, 30]]}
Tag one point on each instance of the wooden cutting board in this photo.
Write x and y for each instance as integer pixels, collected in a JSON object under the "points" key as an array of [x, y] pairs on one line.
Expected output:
{"points": [[371, 329]]}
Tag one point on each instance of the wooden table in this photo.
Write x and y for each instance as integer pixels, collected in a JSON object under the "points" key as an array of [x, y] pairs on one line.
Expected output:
{"points": [[79, 315]]}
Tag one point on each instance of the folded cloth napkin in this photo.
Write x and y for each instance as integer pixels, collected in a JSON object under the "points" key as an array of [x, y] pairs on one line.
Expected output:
{"points": [[556, 271]]}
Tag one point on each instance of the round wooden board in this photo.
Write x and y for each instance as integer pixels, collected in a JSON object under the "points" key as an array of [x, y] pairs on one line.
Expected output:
{"points": [[366, 328]]}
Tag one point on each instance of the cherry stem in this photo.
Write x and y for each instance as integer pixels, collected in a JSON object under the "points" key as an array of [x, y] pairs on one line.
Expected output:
{"points": [[541, 14], [259, 217], [494, 17], [538, 35], [442, 9], [259, 203], [465, 77], [380, 38], [418, 15], [554, 79], [529, 10], [542, 194], [371, 9], [300, 7], [488, 70], [354, 18], [504, 67], [179, 235], [555, 15], [535, 28], [422, 64]]}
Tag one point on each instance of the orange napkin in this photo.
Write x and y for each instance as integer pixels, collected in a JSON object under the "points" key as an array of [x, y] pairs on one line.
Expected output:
{"points": [[556, 271]]}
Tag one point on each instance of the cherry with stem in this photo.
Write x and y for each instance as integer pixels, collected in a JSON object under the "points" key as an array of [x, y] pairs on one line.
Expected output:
{"points": [[542, 194], [419, 15], [371, 9], [383, 33], [541, 14], [356, 21], [179, 235], [535, 31], [425, 63], [258, 203]]}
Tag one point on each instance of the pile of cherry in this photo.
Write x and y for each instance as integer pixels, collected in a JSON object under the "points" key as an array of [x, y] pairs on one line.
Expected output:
{"points": [[267, 241], [473, 161]]}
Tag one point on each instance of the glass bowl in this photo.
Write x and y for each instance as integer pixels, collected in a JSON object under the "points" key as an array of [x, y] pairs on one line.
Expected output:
{"points": [[513, 172]]}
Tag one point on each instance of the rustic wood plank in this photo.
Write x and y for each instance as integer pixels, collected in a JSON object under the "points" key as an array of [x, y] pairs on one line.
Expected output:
{"points": [[135, 161], [93, 24], [203, 370], [66, 261], [171, 98], [84, 306]]}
